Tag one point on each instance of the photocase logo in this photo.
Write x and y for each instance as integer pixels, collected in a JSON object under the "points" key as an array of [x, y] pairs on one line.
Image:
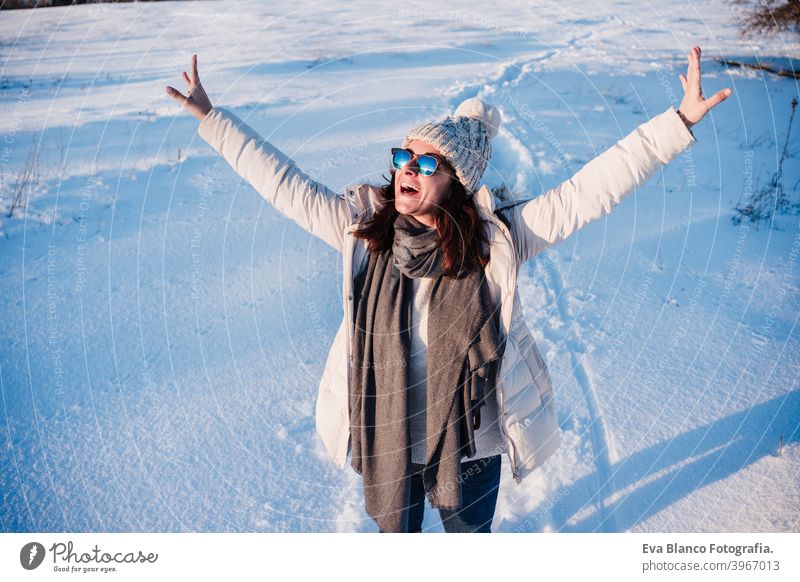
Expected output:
{"points": [[31, 555]]}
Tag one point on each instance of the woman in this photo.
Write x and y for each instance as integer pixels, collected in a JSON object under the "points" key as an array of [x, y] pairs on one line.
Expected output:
{"points": [[433, 361]]}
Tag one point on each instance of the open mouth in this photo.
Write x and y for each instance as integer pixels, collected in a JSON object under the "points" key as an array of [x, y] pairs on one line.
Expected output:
{"points": [[408, 189]]}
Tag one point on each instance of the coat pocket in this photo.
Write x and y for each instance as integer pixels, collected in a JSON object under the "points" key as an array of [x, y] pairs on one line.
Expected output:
{"points": [[521, 395], [540, 372]]}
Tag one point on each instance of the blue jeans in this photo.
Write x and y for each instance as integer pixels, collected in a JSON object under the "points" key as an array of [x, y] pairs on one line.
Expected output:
{"points": [[479, 486]]}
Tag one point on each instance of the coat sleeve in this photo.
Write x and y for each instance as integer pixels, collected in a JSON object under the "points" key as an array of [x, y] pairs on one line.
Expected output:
{"points": [[275, 176], [602, 183]]}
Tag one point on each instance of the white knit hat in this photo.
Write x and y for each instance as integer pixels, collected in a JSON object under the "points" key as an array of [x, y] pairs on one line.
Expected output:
{"points": [[464, 139]]}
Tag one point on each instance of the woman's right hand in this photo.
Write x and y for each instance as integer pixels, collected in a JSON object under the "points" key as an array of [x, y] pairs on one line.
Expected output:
{"points": [[195, 100]]}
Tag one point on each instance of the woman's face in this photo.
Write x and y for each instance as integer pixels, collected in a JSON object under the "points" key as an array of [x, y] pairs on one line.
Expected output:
{"points": [[431, 192]]}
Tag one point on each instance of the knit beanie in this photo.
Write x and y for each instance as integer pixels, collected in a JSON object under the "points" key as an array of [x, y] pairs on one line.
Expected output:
{"points": [[464, 139]]}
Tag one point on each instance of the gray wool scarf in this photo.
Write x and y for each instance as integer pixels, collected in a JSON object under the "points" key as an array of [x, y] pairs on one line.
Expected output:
{"points": [[464, 349]]}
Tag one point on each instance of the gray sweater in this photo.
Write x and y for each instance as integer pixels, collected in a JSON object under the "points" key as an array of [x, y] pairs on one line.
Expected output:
{"points": [[488, 439]]}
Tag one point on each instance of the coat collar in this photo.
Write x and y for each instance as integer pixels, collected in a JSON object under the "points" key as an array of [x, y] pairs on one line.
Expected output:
{"points": [[484, 199]]}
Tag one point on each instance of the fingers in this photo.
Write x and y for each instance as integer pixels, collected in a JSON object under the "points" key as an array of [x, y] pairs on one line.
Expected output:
{"points": [[175, 94], [195, 76], [186, 78], [717, 98], [691, 69], [695, 58], [697, 65], [684, 83]]}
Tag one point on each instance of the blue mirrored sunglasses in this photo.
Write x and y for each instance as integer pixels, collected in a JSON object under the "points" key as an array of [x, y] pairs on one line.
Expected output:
{"points": [[426, 163]]}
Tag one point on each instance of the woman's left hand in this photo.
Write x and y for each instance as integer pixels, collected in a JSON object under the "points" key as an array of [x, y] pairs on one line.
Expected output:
{"points": [[694, 106]]}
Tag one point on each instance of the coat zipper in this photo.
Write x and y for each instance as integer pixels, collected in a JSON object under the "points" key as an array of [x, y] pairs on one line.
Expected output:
{"points": [[511, 449], [509, 441], [348, 258]]}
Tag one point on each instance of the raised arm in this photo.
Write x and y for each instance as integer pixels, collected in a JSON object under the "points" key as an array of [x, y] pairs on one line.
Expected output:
{"points": [[275, 176], [272, 173], [610, 177], [597, 187]]}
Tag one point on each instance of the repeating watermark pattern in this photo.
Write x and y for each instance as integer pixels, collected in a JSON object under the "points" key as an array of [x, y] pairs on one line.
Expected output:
{"points": [[538, 123], [383, 365], [336, 159], [687, 157], [82, 233], [464, 17], [65, 556], [742, 234], [765, 332], [542, 511], [617, 344], [160, 426], [473, 469], [54, 335], [197, 237]]}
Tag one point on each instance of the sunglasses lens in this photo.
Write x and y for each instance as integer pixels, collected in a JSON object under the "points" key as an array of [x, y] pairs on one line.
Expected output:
{"points": [[427, 165], [400, 157]]}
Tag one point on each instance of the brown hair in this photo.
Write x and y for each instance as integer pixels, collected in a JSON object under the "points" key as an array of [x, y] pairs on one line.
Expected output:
{"points": [[459, 225]]}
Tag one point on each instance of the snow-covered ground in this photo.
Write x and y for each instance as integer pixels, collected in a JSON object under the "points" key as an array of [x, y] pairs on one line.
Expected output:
{"points": [[164, 329]]}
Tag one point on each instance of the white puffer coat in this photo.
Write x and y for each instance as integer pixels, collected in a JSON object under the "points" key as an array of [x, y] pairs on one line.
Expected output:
{"points": [[525, 395]]}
